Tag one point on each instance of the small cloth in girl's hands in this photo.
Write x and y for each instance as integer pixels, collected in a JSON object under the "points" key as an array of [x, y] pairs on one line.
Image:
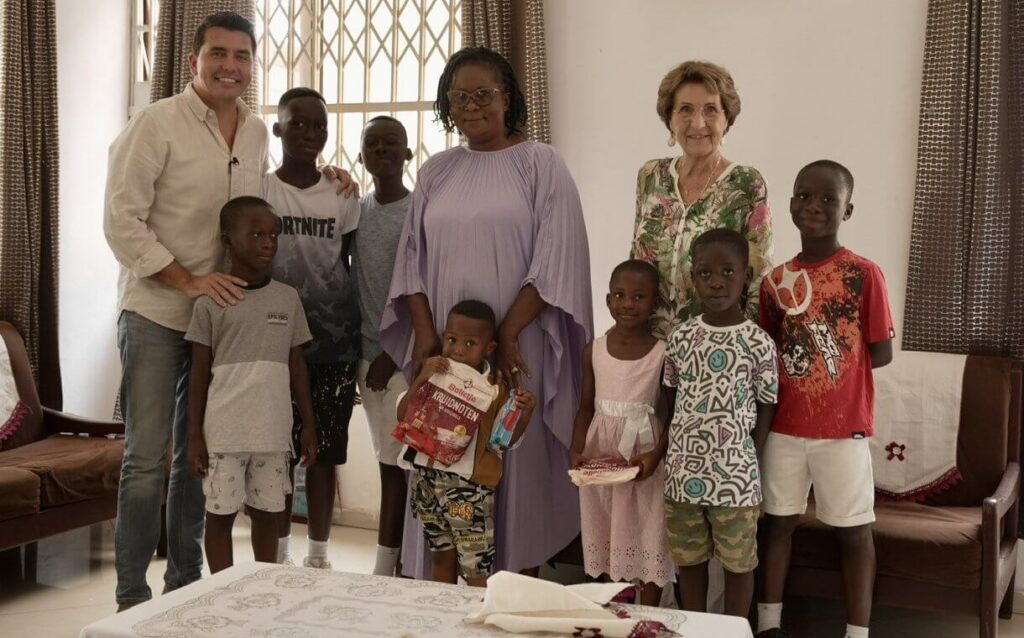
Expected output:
{"points": [[608, 471]]}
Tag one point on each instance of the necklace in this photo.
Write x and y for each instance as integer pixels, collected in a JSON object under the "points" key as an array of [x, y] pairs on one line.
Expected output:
{"points": [[686, 191]]}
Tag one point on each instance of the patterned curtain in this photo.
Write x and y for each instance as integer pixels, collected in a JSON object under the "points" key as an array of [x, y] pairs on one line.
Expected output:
{"points": [[28, 185], [965, 287], [176, 26], [515, 29]]}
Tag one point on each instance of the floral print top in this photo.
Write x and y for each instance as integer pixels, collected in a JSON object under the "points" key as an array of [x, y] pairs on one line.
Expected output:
{"points": [[665, 228]]}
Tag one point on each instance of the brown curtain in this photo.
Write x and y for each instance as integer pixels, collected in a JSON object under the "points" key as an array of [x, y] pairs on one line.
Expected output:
{"points": [[176, 26], [28, 185], [965, 287], [515, 28]]}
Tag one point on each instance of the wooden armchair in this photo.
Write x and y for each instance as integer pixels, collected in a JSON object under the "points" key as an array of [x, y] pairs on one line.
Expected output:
{"points": [[957, 551], [57, 471]]}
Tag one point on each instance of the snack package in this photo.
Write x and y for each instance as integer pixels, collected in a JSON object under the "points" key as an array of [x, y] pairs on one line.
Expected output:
{"points": [[505, 423], [609, 471], [445, 412]]}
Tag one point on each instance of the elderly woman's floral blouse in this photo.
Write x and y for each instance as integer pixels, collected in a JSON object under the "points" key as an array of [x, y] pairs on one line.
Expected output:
{"points": [[665, 229]]}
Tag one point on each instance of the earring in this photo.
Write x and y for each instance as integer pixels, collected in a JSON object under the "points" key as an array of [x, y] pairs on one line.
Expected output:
{"points": [[671, 140]]}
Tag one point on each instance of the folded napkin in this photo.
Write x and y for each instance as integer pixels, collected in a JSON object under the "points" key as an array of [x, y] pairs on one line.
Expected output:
{"points": [[521, 604], [13, 410], [917, 420], [603, 472]]}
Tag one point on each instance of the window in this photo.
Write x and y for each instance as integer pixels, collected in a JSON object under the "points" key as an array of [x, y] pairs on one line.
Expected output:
{"points": [[367, 58], [144, 15]]}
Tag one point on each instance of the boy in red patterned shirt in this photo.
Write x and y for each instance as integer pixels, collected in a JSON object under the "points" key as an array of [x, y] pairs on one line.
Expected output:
{"points": [[828, 312]]}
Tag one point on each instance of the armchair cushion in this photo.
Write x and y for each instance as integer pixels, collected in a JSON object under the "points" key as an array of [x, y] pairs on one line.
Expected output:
{"points": [[940, 545], [19, 493], [70, 468]]}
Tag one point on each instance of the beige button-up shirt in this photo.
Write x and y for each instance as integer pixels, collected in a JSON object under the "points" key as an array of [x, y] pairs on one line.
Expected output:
{"points": [[169, 173]]}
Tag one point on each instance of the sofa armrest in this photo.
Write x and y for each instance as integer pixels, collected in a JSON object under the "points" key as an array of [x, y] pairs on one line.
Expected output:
{"points": [[995, 507], [56, 422]]}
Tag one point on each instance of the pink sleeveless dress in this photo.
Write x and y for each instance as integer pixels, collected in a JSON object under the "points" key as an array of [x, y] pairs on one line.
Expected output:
{"points": [[623, 526]]}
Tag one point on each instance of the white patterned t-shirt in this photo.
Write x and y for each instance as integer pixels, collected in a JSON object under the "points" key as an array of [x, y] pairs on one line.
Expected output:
{"points": [[720, 374]]}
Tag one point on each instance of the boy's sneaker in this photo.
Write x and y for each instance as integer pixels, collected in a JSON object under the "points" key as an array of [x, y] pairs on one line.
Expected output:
{"points": [[316, 563], [774, 632]]}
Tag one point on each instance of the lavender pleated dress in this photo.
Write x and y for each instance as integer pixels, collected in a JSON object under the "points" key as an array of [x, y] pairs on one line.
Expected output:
{"points": [[482, 225]]}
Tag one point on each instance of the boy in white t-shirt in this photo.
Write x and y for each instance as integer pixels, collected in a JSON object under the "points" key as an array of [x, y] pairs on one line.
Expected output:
{"points": [[313, 256], [247, 366]]}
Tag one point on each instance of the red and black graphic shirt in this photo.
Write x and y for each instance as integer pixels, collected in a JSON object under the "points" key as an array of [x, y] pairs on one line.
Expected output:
{"points": [[822, 317]]}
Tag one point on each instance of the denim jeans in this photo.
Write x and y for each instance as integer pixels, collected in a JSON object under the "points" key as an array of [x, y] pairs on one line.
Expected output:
{"points": [[154, 401]]}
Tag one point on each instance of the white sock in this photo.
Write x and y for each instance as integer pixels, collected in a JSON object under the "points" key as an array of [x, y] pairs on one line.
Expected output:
{"points": [[282, 549], [317, 549], [853, 631], [387, 560], [769, 616]]}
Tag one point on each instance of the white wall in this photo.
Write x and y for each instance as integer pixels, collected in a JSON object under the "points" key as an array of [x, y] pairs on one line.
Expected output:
{"points": [[838, 79], [92, 100]]}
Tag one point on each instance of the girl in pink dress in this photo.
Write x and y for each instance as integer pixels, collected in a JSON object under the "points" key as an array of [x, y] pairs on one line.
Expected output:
{"points": [[623, 525]]}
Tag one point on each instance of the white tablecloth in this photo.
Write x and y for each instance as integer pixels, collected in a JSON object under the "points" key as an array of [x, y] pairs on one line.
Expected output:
{"points": [[275, 601]]}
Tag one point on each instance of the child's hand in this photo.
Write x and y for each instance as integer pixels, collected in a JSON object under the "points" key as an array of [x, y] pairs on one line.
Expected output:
{"points": [[307, 440], [435, 365], [576, 459], [525, 400], [198, 457], [647, 462]]}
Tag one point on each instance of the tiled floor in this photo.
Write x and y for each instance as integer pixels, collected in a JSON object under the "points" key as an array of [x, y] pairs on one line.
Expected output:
{"points": [[75, 585]]}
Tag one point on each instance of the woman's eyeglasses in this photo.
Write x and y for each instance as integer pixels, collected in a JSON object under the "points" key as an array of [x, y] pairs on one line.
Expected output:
{"points": [[689, 111], [481, 97]]}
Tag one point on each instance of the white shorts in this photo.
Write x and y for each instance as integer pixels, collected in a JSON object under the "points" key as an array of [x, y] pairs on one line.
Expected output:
{"points": [[260, 480], [839, 469], [381, 413]]}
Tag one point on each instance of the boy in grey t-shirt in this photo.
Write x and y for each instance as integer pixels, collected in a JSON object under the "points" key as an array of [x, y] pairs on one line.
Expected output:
{"points": [[247, 364], [384, 152]]}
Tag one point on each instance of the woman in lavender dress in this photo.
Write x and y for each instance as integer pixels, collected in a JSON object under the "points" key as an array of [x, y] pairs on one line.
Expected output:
{"points": [[500, 220]]}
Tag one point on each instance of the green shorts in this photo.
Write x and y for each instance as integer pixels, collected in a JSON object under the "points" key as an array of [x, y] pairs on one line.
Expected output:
{"points": [[697, 533]]}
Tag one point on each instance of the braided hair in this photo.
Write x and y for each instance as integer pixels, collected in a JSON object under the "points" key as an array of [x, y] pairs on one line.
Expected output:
{"points": [[515, 116]]}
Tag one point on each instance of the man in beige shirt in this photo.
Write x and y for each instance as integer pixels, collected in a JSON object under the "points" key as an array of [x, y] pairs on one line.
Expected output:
{"points": [[170, 171]]}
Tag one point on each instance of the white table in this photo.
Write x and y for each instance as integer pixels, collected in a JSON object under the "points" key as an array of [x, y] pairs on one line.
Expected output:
{"points": [[275, 601]]}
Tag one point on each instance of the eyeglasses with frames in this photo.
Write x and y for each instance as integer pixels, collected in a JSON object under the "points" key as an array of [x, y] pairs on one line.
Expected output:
{"points": [[689, 111], [481, 97]]}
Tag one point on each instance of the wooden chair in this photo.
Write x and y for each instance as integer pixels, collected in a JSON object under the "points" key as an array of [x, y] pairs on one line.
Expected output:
{"points": [[958, 550]]}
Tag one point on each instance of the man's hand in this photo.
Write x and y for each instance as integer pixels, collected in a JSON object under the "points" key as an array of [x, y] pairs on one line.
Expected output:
{"points": [[198, 458], [223, 288], [307, 440], [380, 372], [346, 185]]}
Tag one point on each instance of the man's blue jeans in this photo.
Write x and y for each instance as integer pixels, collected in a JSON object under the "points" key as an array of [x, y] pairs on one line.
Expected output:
{"points": [[154, 401]]}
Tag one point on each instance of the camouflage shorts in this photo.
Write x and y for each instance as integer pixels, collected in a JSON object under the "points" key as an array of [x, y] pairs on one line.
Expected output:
{"points": [[458, 514], [696, 533]]}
